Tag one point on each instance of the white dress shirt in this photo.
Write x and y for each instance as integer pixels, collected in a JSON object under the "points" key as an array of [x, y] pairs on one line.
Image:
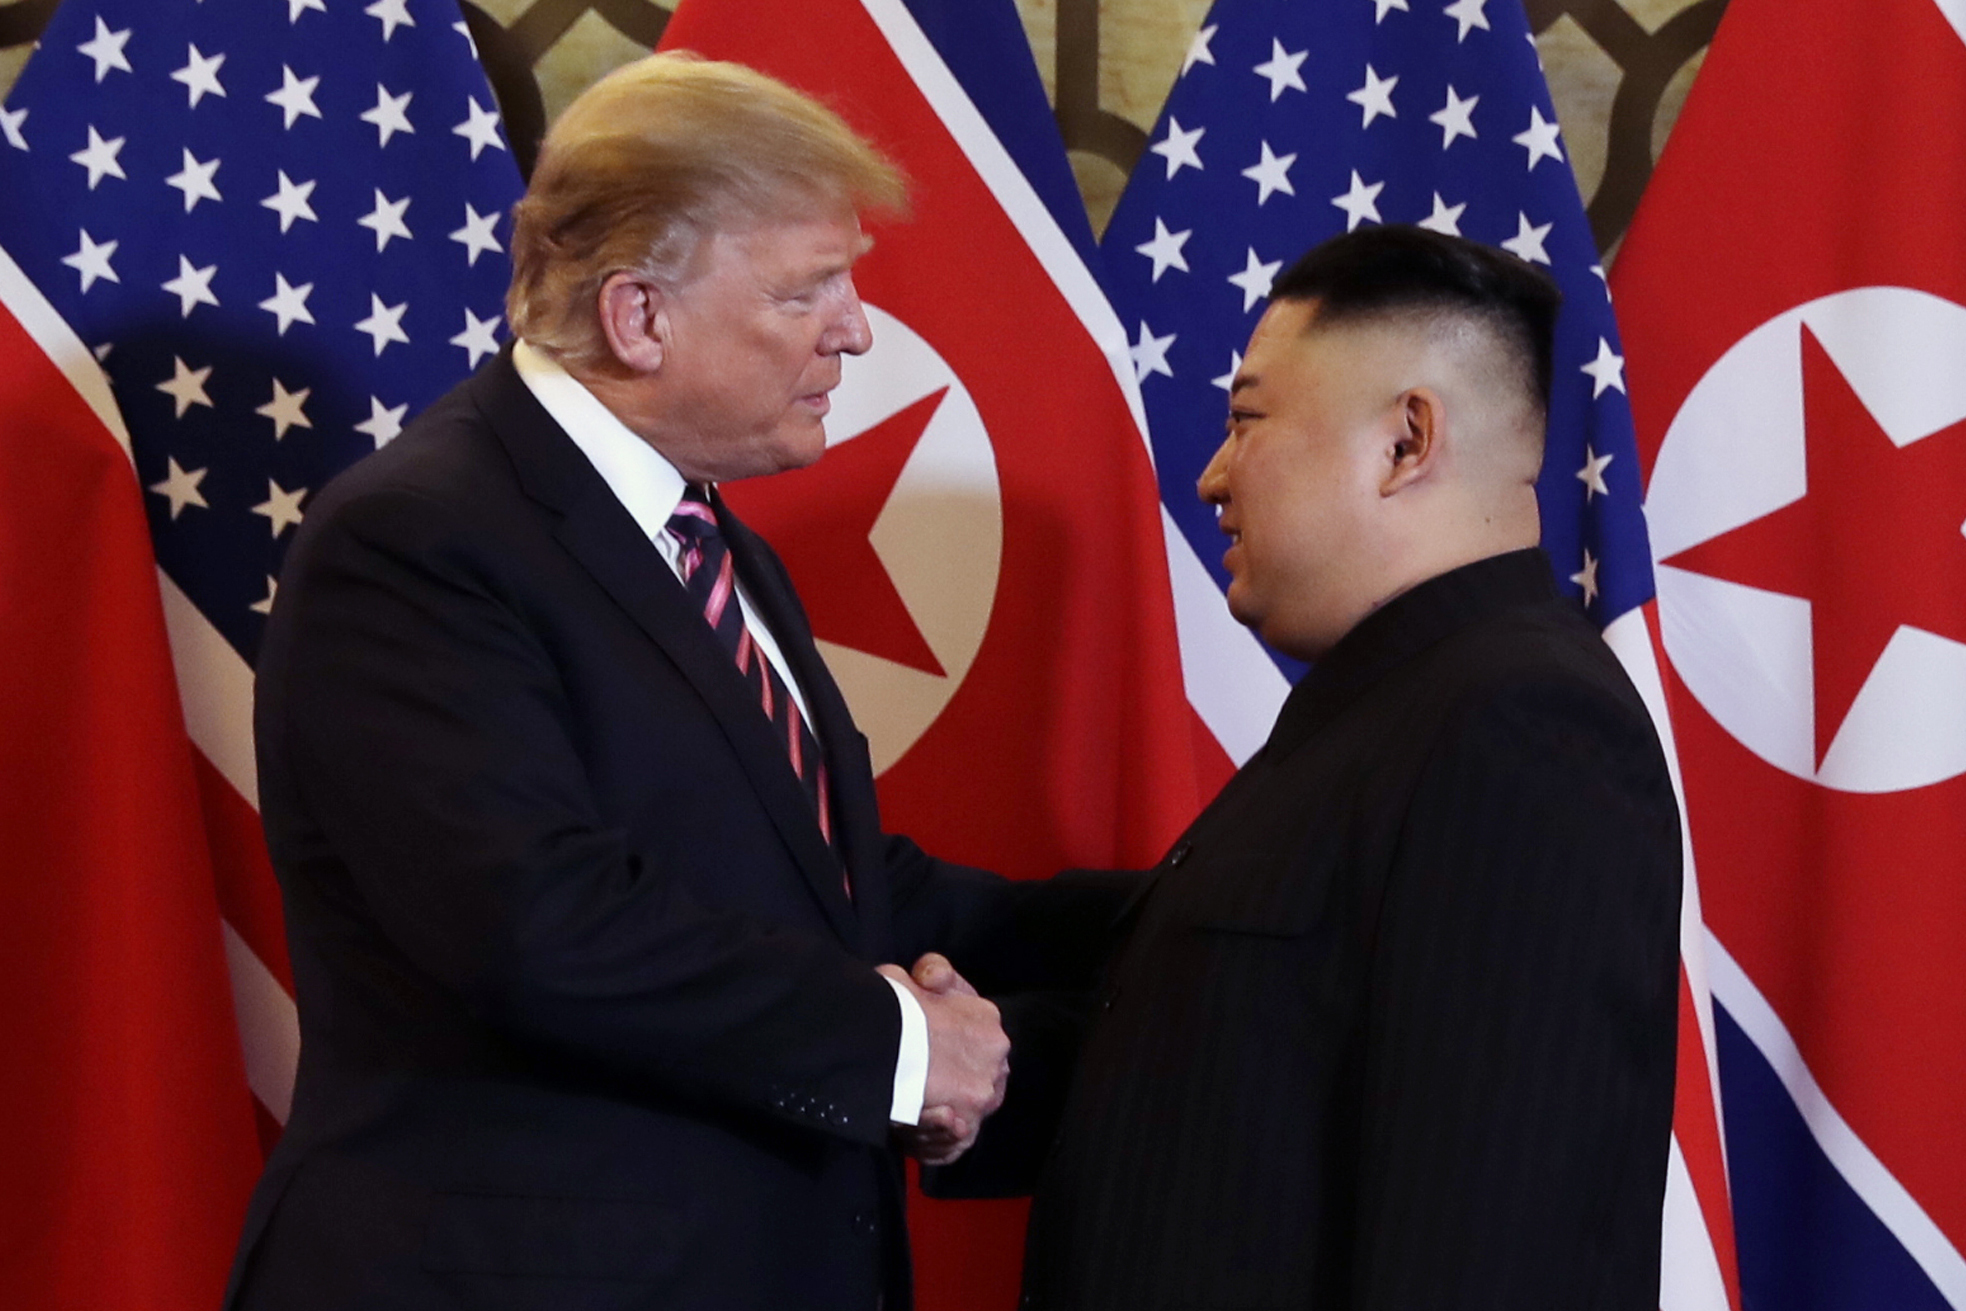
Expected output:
{"points": [[650, 488]]}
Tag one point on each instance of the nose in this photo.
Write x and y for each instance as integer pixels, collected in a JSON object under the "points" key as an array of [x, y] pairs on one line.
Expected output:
{"points": [[850, 334], [1213, 485]]}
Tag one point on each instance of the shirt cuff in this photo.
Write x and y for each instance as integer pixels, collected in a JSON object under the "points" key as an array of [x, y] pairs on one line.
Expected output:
{"points": [[911, 1062]]}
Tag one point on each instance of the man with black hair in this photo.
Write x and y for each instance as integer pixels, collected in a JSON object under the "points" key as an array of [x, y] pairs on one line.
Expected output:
{"points": [[1394, 1028]]}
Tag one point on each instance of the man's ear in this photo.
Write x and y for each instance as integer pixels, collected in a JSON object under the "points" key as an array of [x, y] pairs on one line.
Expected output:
{"points": [[1420, 425], [634, 319]]}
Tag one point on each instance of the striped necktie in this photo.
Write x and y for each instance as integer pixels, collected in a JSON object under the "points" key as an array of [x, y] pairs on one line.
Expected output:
{"points": [[710, 577]]}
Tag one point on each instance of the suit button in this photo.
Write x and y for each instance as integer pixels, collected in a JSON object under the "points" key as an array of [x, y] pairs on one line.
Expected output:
{"points": [[865, 1225], [1179, 854]]}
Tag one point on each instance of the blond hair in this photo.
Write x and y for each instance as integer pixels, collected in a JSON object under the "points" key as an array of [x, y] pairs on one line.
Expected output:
{"points": [[649, 162]]}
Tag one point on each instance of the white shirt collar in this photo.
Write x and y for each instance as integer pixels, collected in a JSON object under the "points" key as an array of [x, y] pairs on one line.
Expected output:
{"points": [[639, 476]]}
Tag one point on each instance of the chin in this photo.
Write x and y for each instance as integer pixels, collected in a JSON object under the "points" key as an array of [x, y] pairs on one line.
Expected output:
{"points": [[806, 447], [1240, 608], [802, 456]]}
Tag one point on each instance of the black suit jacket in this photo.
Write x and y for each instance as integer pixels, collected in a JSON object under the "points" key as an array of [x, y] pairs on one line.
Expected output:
{"points": [[587, 1019], [1395, 1026]]}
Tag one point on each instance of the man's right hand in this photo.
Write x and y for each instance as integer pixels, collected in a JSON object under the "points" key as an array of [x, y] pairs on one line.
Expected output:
{"points": [[968, 1058]]}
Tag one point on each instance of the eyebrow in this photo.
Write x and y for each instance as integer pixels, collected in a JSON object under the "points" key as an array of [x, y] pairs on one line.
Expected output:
{"points": [[1243, 382], [854, 256], [827, 273]]}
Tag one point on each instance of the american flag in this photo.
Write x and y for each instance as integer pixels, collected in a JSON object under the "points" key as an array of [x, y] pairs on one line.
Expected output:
{"points": [[1292, 122], [280, 226]]}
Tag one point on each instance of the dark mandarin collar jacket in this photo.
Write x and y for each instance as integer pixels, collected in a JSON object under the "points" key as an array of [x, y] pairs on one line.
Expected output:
{"points": [[1394, 1028]]}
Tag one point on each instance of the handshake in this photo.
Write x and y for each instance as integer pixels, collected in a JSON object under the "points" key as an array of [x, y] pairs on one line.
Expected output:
{"points": [[968, 1061]]}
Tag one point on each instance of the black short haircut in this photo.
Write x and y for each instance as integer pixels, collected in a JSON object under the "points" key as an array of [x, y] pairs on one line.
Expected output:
{"points": [[1399, 269]]}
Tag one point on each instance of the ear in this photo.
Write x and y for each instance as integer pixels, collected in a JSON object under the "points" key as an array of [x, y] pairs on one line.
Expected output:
{"points": [[634, 319], [1419, 430]]}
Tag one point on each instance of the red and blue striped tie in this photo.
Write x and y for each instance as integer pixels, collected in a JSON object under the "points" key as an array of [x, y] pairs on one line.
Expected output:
{"points": [[710, 576]]}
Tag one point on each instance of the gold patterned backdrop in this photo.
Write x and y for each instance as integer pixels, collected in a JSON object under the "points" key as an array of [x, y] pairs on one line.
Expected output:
{"points": [[1618, 69]]}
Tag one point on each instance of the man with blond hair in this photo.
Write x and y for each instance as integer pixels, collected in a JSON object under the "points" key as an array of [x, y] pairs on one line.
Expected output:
{"points": [[585, 884]]}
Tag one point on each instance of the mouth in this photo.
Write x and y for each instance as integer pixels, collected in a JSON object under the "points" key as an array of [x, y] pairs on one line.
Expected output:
{"points": [[818, 399]]}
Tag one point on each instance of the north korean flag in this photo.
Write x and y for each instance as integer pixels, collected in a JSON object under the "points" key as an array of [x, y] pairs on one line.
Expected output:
{"points": [[982, 550], [1793, 299]]}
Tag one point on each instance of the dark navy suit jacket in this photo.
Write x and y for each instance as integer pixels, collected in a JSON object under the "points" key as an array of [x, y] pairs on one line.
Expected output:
{"points": [[587, 1017]]}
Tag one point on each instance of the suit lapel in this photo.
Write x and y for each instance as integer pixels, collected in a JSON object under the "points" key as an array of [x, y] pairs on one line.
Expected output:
{"points": [[600, 534]]}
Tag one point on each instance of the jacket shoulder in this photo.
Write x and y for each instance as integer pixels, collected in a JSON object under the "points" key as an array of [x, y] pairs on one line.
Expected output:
{"points": [[1542, 679], [1547, 647], [447, 453]]}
